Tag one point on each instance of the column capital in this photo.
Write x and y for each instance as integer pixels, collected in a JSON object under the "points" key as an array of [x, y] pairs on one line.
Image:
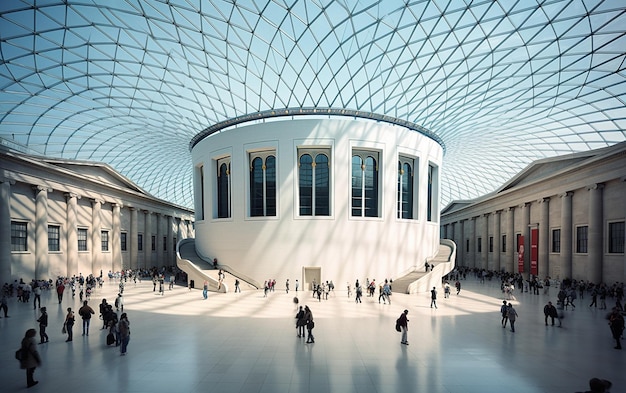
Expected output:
{"points": [[70, 195], [38, 188], [595, 186], [8, 181], [510, 208], [543, 200], [147, 212], [499, 211], [116, 204], [566, 194], [523, 205], [486, 214], [97, 201]]}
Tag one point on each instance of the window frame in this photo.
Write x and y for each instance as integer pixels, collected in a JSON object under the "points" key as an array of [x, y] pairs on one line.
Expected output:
{"points": [[82, 238], [54, 238], [368, 198], [615, 241], [124, 241], [263, 200], [403, 162], [104, 241], [223, 189], [19, 236], [555, 243], [320, 200], [582, 242]]}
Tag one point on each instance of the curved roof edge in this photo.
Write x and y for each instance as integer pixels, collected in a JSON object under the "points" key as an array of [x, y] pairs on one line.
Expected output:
{"points": [[308, 111]]}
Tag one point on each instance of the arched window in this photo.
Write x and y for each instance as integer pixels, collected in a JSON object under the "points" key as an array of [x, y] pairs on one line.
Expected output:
{"points": [[365, 184], [314, 182], [405, 188], [223, 188], [432, 201], [262, 184]]}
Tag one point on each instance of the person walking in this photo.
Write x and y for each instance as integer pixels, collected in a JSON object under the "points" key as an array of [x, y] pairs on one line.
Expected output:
{"points": [[457, 284], [504, 311], [403, 322], [124, 327], [550, 311], [60, 289], [205, 290], [237, 289], [37, 300], [287, 286], [512, 315], [616, 323], [29, 357], [310, 324], [4, 304], [433, 297], [69, 324], [86, 312], [297, 285], [43, 323]]}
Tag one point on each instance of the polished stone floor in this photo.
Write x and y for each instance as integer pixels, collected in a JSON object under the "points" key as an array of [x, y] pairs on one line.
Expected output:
{"points": [[247, 343]]}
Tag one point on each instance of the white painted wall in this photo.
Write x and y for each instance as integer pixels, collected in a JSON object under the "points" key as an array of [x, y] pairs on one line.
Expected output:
{"points": [[344, 247]]}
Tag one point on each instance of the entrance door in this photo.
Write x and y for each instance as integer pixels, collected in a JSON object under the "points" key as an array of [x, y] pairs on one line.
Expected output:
{"points": [[310, 274]]}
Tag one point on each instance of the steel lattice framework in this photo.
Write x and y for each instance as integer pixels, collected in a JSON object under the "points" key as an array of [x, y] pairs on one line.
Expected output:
{"points": [[131, 82]]}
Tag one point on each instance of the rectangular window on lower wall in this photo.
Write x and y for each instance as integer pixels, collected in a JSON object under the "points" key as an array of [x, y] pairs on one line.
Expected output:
{"points": [[19, 236], [490, 243], [153, 243], [54, 238], [556, 241], [123, 241], [479, 244], [82, 239], [581, 239], [140, 242], [616, 237], [104, 239], [503, 243]]}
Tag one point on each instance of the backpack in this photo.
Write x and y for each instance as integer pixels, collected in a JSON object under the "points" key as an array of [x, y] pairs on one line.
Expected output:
{"points": [[398, 329]]}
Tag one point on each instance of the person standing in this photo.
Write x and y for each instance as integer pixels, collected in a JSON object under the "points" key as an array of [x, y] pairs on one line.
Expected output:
{"points": [[297, 285], [287, 286], [86, 312], [30, 357], [616, 322], [205, 289], [504, 311], [43, 323], [124, 328], [404, 325], [37, 293], [4, 304], [310, 324], [512, 315], [69, 324], [433, 297], [457, 284], [237, 289], [550, 311], [300, 322]]}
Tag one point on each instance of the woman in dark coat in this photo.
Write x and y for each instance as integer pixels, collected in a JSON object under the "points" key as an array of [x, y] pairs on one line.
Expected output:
{"points": [[616, 322], [30, 357]]}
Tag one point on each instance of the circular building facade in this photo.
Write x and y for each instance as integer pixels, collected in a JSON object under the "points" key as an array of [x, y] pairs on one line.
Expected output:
{"points": [[310, 198]]}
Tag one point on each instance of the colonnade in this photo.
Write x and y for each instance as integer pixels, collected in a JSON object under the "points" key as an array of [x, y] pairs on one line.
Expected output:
{"points": [[163, 252], [516, 221]]}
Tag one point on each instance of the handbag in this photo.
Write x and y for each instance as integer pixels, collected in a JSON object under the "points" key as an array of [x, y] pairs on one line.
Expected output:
{"points": [[64, 329]]}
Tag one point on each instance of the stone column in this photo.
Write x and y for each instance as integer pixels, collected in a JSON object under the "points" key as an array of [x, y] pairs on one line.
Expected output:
{"points": [[71, 234], [511, 252], [485, 243], [170, 242], [148, 240], [473, 237], [460, 249], [41, 232], [596, 229], [159, 240], [116, 241], [526, 233], [5, 231], [543, 265], [566, 236], [96, 236], [133, 238], [497, 238]]}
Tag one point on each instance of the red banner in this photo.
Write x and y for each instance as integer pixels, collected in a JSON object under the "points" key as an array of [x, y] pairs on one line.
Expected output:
{"points": [[534, 251], [520, 255]]}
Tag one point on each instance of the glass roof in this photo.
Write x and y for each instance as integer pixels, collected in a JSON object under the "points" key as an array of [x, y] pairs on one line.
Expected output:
{"points": [[131, 82]]}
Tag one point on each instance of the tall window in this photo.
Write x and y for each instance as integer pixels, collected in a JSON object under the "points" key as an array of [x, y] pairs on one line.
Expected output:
{"points": [[556, 240], [164, 243], [467, 245], [490, 243], [201, 174], [263, 184], [431, 213], [82, 239], [581, 239], [104, 239], [405, 187], [314, 182], [19, 236], [223, 188], [616, 237], [503, 243], [479, 244], [123, 241], [54, 238], [153, 243], [365, 184], [139, 242]]}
